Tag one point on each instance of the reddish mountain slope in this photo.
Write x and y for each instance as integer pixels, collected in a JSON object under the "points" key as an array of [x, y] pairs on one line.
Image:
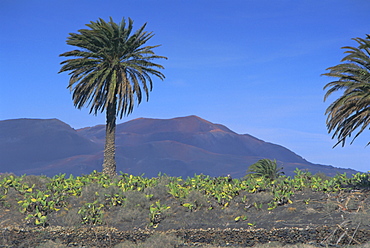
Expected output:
{"points": [[194, 145], [179, 147]]}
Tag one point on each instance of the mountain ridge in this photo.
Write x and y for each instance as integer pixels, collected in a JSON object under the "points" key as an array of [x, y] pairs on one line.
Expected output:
{"points": [[179, 146]]}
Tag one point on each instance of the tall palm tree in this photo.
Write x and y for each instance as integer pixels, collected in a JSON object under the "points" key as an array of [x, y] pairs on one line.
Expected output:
{"points": [[265, 168], [108, 69], [351, 111]]}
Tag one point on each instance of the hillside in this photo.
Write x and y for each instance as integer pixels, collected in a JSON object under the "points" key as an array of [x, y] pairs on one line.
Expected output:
{"points": [[34, 145], [200, 211]]}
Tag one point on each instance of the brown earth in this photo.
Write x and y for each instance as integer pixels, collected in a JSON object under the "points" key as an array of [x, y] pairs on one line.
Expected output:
{"points": [[317, 218]]}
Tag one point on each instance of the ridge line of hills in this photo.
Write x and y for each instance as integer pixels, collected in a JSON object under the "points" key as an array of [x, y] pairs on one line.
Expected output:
{"points": [[179, 146]]}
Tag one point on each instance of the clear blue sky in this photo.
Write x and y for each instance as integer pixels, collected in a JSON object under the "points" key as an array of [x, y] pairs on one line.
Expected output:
{"points": [[252, 65]]}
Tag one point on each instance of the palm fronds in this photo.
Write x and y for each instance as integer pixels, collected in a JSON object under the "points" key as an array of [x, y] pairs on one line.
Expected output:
{"points": [[350, 113], [265, 168]]}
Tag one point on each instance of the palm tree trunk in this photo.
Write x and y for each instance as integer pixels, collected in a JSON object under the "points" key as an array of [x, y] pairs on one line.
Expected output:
{"points": [[109, 164]]}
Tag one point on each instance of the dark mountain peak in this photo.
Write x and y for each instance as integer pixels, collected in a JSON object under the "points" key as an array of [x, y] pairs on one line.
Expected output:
{"points": [[35, 141], [31, 127], [32, 122]]}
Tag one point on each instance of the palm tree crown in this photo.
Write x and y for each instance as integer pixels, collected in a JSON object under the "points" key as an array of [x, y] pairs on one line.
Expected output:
{"points": [[109, 68], [351, 111]]}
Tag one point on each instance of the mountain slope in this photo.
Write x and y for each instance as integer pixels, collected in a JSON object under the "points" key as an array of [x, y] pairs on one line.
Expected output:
{"points": [[27, 144], [194, 145], [179, 147]]}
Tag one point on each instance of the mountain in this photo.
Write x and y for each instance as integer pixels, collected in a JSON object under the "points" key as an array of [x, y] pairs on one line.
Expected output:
{"points": [[33, 146], [178, 147]]}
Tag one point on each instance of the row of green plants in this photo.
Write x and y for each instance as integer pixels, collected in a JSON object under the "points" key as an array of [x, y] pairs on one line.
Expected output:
{"points": [[37, 203]]}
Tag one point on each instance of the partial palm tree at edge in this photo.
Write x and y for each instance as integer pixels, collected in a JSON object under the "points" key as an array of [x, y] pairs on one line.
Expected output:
{"points": [[110, 67], [350, 112]]}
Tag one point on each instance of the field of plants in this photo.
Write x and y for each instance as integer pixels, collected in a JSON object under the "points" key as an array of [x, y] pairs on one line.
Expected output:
{"points": [[128, 203]]}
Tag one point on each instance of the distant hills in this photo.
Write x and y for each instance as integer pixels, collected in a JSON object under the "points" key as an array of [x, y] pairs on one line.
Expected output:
{"points": [[178, 147]]}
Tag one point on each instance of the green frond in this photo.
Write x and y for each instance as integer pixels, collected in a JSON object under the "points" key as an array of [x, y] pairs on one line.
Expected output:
{"points": [[265, 168], [350, 113]]}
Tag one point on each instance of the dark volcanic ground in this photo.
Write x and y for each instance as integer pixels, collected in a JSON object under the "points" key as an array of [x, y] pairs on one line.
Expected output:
{"points": [[313, 218]]}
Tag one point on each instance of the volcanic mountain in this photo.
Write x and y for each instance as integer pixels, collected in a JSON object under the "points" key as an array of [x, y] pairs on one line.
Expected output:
{"points": [[178, 147]]}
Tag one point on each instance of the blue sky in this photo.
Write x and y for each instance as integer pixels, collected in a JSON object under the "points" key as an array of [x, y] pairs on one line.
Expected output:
{"points": [[252, 65]]}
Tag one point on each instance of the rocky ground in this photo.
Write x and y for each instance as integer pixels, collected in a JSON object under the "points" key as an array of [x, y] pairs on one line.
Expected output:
{"points": [[316, 218]]}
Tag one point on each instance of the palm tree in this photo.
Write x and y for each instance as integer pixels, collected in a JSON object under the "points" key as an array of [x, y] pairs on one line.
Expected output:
{"points": [[351, 111], [265, 168], [108, 69]]}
